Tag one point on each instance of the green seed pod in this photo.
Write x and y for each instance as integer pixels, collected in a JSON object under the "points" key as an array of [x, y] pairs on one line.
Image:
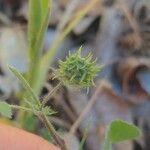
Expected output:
{"points": [[77, 70]]}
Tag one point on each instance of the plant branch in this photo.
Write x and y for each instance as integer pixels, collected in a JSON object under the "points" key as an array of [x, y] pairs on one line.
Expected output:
{"points": [[87, 108], [59, 141], [47, 97], [21, 108]]}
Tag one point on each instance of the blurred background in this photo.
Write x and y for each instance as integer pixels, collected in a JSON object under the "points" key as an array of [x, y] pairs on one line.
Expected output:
{"points": [[118, 34]]}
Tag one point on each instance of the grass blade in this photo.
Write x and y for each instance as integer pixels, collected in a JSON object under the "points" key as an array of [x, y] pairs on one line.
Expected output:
{"points": [[35, 17]]}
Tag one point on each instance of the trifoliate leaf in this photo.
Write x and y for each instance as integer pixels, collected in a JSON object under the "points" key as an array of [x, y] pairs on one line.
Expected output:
{"points": [[5, 110], [35, 18]]}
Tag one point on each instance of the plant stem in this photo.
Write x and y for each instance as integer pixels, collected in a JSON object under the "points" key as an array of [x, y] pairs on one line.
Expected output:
{"points": [[59, 141], [107, 142], [21, 108], [86, 109], [46, 98]]}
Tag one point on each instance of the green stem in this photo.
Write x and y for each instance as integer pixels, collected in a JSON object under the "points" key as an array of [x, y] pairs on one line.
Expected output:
{"points": [[59, 141], [22, 108], [107, 142], [47, 97]]}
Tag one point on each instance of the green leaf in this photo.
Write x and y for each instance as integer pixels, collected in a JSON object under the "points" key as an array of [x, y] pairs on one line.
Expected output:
{"points": [[35, 50], [35, 17], [38, 22], [121, 131], [24, 83], [5, 110], [38, 10], [45, 6]]}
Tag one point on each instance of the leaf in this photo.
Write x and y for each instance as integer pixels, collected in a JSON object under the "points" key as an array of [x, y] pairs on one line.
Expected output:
{"points": [[121, 131], [38, 22], [35, 17], [35, 50], [45, 13], [45, 6], [5, 110], [24, 83]]}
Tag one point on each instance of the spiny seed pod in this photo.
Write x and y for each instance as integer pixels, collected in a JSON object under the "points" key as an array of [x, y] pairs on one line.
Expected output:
{"points": [[77, 70]]}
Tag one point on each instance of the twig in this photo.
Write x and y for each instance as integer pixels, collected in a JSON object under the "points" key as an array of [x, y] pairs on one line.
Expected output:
{"points": [[59, 122], [87, 108], [67, 109]]}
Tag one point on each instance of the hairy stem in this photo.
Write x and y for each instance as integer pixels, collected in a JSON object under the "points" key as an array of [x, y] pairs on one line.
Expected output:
{"points": [[21, 108], [47, 97], [59, 141]]}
